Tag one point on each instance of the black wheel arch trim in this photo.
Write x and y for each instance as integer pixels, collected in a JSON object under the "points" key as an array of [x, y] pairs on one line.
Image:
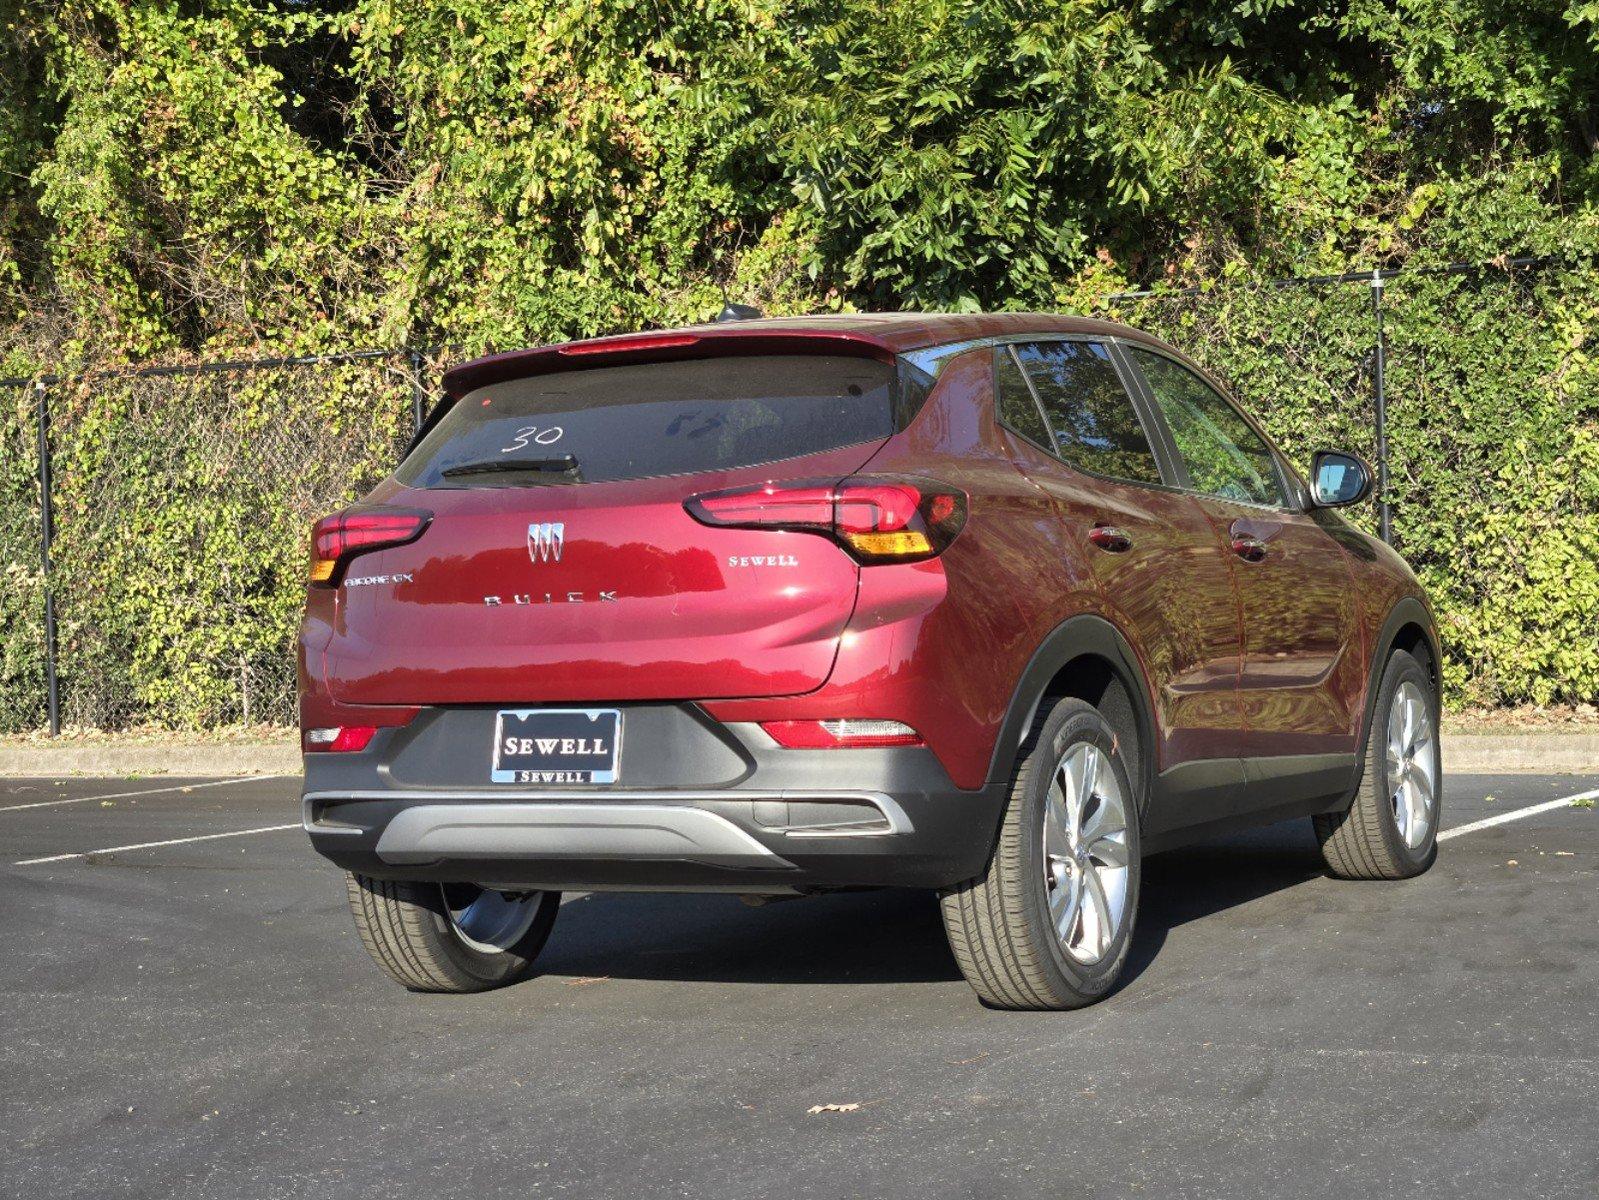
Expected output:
{"points": [[1409, 610], [1084, 634]]}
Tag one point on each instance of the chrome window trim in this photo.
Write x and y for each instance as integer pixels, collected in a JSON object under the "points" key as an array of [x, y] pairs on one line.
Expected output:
{"points": [[931, 359]]}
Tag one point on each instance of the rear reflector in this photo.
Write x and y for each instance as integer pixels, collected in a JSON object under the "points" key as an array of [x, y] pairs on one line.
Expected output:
{"points": [[876, 519], [843, 734], [336, 539], [338, 739]]}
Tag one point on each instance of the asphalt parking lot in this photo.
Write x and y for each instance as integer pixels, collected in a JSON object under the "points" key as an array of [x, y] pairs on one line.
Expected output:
{"points": [[198, 1019]]}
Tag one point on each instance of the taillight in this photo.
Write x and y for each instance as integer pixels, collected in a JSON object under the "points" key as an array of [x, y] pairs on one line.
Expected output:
{"points": [[335, 540], [879, 520], [852, 733], [338, 739]]}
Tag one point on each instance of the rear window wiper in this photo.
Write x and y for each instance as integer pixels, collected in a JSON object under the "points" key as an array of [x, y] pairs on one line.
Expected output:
{"points": [[555, 464]]}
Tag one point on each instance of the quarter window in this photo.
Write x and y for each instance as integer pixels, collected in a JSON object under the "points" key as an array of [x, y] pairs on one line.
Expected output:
{"points": [[1224, 456], [1090, 414], [1017, 408]]}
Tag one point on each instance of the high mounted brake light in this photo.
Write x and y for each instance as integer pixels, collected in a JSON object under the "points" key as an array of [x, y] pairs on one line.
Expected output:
{"points": [[336, 539], [877, 519]]}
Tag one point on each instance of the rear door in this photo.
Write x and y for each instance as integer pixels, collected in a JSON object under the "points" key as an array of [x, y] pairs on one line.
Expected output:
{"points": [[1302, 671], [560, 563], [1157, 561]]}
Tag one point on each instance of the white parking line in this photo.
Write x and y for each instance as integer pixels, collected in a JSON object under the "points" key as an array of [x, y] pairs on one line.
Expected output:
{"points": [[1516, 815], [177, 787], [204, 837]]}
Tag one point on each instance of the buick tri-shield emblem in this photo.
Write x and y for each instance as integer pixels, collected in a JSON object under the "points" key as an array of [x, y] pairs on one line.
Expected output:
{"points": [[544, 541]]}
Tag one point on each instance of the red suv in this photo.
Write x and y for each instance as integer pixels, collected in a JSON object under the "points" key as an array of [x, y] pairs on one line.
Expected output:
{"points": [[994, 605]]}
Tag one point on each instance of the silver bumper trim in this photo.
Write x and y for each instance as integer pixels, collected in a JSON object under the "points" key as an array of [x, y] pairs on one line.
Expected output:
{"points": [[591, 832], [898, 821]]}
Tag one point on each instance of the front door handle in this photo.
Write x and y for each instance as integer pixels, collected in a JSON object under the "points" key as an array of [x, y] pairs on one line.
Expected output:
{"points": [[1248, 547], [1108, 537]]}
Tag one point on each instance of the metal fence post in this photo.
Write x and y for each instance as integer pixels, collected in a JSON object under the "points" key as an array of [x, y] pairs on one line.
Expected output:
{"points": [[418, 392], [46, 534], [1384, 523]]}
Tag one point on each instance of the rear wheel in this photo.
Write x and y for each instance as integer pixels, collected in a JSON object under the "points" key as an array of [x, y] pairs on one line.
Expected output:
{"points": [[1391, 829], [452, 937], [1048, 924]]}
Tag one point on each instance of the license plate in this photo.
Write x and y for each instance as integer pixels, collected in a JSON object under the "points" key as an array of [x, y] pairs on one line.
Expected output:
{"points": [[556, 745]]}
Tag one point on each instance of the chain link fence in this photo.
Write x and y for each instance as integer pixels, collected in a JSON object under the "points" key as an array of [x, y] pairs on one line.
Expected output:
{"points": [[182, 497], [180, 501]]}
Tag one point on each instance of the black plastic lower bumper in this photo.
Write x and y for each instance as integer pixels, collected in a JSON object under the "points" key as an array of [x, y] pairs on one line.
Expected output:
{"points": [[699, 807]]}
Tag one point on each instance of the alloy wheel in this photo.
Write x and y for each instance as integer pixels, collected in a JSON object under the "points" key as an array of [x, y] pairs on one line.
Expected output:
{"points": [[1085, 853], [488, 920], [1412, 765]]}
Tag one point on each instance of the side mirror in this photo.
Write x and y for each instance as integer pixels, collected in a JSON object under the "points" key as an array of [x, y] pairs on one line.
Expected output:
{"points": [[1337, 479]]}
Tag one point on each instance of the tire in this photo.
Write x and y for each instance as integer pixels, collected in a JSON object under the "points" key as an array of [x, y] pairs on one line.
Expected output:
{"points": [[1002, 924], [1374, 839], [422, 934]]}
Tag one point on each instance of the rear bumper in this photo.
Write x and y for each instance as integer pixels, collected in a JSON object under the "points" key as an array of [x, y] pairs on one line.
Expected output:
{"points": [[786, 821]]}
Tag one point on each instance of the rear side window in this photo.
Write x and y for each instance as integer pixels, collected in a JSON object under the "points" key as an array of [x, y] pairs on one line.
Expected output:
{"points": [[1091, 416], [664, 418]]}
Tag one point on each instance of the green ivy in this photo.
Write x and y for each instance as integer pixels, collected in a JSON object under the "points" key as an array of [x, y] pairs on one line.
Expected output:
{"points": [[183, 180], [1493, 439]]}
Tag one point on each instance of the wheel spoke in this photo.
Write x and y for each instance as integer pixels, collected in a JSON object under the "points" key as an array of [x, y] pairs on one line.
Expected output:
{"points": [[1106, 819], [1396, 730], [1071, 771], [1065, 906], [1109, 850], [1099, 922], [1421, 792], [1401, 802], [1090, 780], [1057, 843]]}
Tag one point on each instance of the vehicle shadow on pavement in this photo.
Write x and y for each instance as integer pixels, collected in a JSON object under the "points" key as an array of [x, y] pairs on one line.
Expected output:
{"points": [[890, 936], [1212, 877]]}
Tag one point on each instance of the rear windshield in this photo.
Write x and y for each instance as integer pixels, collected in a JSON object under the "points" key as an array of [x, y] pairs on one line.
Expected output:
{"points": [[663, 418]]}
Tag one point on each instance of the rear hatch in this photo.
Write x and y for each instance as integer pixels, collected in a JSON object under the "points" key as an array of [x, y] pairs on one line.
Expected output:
{"points": [[560, 563]]}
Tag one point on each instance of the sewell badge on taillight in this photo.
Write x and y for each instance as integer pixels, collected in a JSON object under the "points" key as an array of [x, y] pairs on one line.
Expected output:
{"points": [[878, 519]]}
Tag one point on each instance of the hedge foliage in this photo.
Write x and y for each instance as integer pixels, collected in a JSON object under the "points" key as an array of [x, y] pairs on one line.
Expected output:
{"points": [[191, 179], [1493, 442]]}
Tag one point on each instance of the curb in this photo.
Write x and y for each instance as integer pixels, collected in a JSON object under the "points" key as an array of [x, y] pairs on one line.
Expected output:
{"points": [[1484, 753], [180, 760], [1508, 753]]}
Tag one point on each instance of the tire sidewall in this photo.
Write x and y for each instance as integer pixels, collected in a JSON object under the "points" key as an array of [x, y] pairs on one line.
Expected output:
{"points": [[1403, 668], [1066, 727]]}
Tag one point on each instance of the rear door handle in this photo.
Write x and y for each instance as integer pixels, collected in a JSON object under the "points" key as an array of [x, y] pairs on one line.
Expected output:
{"points": [[1108, 537], [1248, 547]]}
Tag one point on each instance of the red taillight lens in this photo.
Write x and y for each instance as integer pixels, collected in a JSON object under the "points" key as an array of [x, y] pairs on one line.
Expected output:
{"points": [[877, 520], [338, 538], [843, 734], [338, 739]]}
